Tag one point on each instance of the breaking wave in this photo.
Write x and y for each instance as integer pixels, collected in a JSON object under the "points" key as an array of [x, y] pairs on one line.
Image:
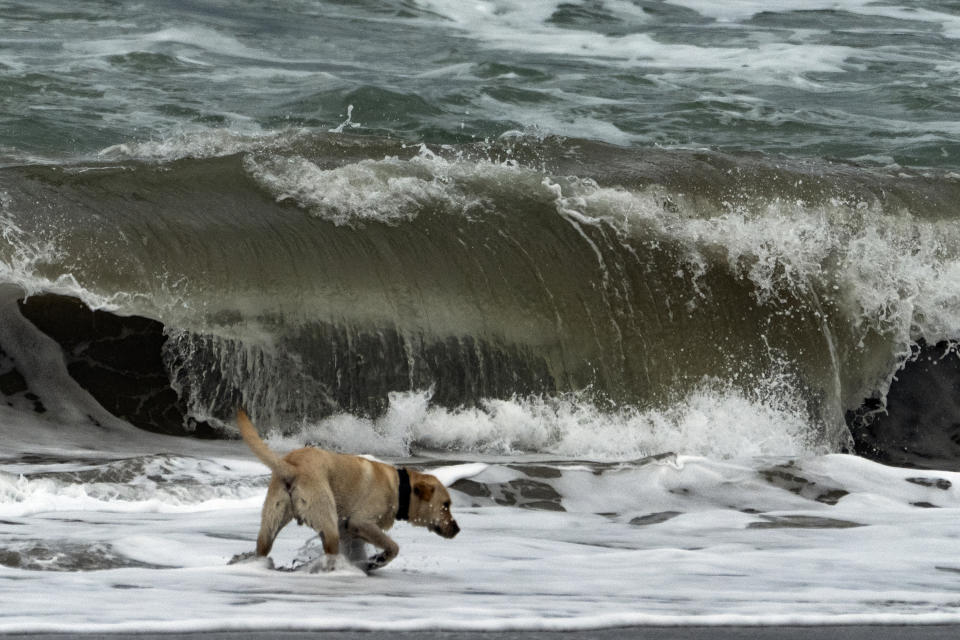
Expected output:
{"points": [[506, 290]]}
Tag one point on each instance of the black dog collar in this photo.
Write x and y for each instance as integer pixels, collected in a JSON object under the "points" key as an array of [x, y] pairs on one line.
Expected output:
{"points": [[403, 492]]}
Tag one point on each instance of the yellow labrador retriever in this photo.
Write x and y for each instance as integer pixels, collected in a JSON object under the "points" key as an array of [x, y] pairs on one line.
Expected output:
{"points": [[345, 496]]}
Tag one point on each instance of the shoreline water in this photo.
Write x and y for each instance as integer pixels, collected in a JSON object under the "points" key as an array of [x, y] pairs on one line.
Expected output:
{"points": [[844, 632]]}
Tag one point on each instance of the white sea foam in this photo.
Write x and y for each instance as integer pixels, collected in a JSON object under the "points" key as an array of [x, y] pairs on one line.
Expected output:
{"points": [[713, 420], [389, 190], [383, 191], [23, 256], [527, 27], [203, 143], [450, 474], [550, 118], [192, 38], [20, 497], [739, 10]]}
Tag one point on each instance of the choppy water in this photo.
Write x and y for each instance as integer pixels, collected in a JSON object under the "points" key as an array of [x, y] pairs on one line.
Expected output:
{"points": [[852, 79], [574, 234]]}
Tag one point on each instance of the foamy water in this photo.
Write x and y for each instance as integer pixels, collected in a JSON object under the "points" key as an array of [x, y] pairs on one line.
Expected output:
{"points": [[553, 544], [713, 421]]}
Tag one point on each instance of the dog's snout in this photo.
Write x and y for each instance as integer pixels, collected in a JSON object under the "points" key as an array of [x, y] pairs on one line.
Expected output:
{"points": [[447, 530]]}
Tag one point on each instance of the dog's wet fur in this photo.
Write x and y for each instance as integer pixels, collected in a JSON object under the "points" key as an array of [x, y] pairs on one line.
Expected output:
{"points": [[344, 498]]}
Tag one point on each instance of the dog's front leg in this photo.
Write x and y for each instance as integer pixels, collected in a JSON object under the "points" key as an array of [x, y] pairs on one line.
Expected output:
{"points": [[352, 547], [375, 536]]}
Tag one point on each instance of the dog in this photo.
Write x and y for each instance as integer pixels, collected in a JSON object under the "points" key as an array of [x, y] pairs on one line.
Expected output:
{"points": [[345, 497]]}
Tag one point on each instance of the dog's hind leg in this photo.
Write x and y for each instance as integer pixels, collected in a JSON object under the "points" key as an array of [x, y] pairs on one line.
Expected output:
{"points": [[277, 512], [375, 536], [314, 506]]}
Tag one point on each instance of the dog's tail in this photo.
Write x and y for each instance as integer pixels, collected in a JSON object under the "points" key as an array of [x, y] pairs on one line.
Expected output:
{"points": [[249, 432]]}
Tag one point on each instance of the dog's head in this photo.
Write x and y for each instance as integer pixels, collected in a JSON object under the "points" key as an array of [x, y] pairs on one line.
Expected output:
{"points": [[430, 506]]}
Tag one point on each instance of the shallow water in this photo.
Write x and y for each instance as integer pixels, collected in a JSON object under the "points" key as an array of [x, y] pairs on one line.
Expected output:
{"points": [[142, 543]]}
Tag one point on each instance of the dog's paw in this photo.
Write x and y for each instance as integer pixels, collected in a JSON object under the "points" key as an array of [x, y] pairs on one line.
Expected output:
{"points": [[376, 562], [325, 564], [250, 557], [243, 557]]}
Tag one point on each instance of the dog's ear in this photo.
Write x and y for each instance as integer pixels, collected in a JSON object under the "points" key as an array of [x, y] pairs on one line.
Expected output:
{"points": [[423, 490]]}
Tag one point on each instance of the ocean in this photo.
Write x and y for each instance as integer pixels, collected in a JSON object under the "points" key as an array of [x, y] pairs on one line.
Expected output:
{"points": [[667, 291]]}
